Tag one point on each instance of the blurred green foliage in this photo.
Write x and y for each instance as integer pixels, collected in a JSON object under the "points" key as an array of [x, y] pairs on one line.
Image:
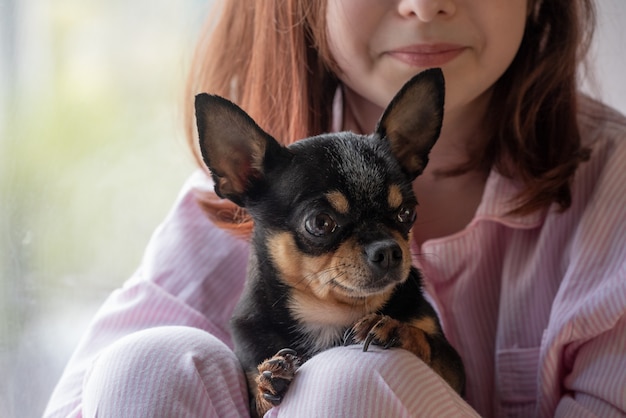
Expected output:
{"points": [[92, 156]]}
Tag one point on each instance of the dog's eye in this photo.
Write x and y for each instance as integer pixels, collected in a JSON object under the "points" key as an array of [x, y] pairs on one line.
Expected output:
{"points": [[320, 224], [406, 215]]}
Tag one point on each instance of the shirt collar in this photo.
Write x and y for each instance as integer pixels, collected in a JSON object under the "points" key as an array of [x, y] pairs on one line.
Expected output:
{"points": [[337, 116], [499, 199]]}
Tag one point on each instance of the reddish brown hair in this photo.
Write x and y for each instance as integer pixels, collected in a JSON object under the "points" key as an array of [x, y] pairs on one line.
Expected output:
{"points": [[272, 58], [536, 137]]}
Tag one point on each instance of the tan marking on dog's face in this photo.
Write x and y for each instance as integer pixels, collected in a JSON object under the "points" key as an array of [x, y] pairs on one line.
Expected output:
{"points": [[426, 324], [406, 251], [342, 275], [394, 198], [331, 289], [327, 288], [338, 201]]}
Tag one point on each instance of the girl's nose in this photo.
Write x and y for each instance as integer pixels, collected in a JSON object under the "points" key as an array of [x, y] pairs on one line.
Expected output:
{"points": [[426, 10]]}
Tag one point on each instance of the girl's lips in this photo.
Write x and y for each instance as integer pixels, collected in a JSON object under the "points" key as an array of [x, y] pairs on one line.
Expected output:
{"points": [[427, 55]]}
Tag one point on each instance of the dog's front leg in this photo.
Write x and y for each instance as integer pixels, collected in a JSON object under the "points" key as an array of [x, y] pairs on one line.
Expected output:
{"points": [[389, 332], [421, 336], [272, 379]]}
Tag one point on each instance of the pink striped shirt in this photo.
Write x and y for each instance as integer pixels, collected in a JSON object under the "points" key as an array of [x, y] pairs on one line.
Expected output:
{"points": [[536, 305]]}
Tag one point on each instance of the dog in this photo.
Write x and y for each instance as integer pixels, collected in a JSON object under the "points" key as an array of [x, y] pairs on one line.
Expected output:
{"points": [[330, 259]]}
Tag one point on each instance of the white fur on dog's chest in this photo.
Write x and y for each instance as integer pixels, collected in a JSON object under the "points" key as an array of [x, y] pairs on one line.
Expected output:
{"points": [[321, 337], [324, 324]]}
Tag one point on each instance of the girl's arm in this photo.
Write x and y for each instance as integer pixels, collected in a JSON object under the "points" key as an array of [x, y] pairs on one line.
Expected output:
{"points": [[191, 275]]}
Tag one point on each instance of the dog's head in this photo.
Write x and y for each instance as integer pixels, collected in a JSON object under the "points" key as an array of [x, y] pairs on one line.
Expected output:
{"points": [[333, 212]]}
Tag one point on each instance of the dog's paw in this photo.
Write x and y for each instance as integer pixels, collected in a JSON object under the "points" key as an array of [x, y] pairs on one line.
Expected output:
{"points": [[388, 332], [275, 376]]}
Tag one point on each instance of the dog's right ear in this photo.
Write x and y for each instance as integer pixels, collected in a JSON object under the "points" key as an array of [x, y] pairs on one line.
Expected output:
{"points": [[233, 146]]}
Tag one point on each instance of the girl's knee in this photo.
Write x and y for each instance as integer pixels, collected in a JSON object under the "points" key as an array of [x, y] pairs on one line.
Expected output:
{"points": [[165, 371], [346, 381]]}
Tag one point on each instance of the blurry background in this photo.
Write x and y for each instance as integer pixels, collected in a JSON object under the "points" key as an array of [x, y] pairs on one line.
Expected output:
{"points": [[92, 156]]}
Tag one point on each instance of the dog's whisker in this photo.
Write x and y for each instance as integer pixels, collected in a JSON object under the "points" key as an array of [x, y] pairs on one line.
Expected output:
{"points": [[423, 255], [307, 279]]}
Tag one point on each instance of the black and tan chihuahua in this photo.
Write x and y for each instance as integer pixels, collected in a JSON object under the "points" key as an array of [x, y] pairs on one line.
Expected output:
{"points": [[330, 255]]}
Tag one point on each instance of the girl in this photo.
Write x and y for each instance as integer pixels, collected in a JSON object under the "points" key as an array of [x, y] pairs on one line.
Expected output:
{"points": [[521, 231]]}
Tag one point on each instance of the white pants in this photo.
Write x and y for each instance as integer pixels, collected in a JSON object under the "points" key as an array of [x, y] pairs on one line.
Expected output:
{"points": [[185, 372]]}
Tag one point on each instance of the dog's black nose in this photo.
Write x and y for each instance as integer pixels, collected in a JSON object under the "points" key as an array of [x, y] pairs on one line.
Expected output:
{"points": [[384, 255]]}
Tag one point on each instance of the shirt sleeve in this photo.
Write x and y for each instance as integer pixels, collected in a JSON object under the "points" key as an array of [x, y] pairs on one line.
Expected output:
{"points": [[584, 373], [192, 274]]}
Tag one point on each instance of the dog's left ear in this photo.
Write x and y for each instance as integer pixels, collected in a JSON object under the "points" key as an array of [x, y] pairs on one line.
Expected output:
{"points": [[412, 121]]}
